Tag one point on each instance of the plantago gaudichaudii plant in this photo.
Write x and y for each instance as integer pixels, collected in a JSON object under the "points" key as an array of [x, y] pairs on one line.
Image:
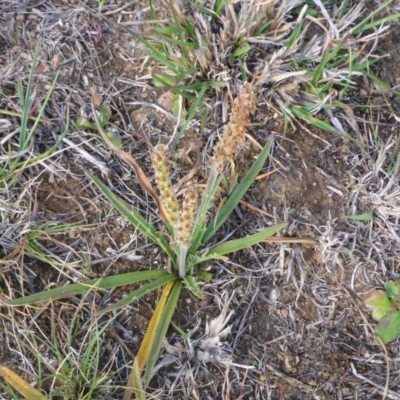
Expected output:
{"points": [[189, 233]]}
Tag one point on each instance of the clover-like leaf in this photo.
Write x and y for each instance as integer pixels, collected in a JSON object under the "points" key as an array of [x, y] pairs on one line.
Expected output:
{"points": [[378, 302], [388, 328]]}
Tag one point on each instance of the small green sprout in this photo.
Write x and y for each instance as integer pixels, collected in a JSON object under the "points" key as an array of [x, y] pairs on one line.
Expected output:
{"points": [[103, 118]]}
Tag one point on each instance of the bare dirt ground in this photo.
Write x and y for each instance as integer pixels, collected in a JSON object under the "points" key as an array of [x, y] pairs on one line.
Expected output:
{"points": [[298, 317]]}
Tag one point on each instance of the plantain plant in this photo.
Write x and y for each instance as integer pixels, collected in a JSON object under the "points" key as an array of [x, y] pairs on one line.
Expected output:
{"points": [[190, 230]]}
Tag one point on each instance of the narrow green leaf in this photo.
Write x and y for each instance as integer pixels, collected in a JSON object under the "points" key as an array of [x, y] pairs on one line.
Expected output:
{"points": [[184, 335], [392, 290], [362, 26], [218, 6], [26, 163], [388, 328], [155, 53], [301, 113], [161, 330], [295, 35], [96, 284], [131, 215], [204, 275], [378, 302], [237, 194], [214, 179], [193, 110], [325, 59], [32, 130], [25, 98], [161, 79], [361, 217], [207, 257], [138, 293], [242, 51], [140, 393], [246, 242], [193, 286]]}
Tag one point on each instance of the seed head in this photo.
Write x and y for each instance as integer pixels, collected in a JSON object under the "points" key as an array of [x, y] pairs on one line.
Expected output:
{"points": [[190, 205], [161, 168], [235, 131]]}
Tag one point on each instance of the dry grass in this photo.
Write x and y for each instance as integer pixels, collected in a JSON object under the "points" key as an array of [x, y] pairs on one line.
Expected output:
{"points": [[280, 321]]}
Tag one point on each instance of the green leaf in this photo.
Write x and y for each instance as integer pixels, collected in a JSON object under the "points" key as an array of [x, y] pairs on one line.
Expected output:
{"points": [[207, 257], [96, 284], [204, 275], [184, 335], [164, 80], [161, 330], [155, 53], [361, 217], [193, 286], [138, 293], [199, 225], [83, 123], [378, 302], [139, 392], [104, 115], [237, 194], [388, 328], [240, 52], [131, 215], [193, 110], [246, 242], [321, 65], [115, 138], [303, 114], [362, 26], [392, 290]]}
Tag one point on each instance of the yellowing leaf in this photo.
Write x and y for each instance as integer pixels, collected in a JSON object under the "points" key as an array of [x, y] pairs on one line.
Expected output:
{"points": [[378, 302], [20, 384]]}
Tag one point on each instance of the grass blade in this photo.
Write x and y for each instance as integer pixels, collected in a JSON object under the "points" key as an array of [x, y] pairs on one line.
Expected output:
{"points": [[193, 110], [301, 113], [138, 293], [135, 381], [248, 241], [237, 194], [78, 288], [363, 24], [361, 217], [131, 215]]}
